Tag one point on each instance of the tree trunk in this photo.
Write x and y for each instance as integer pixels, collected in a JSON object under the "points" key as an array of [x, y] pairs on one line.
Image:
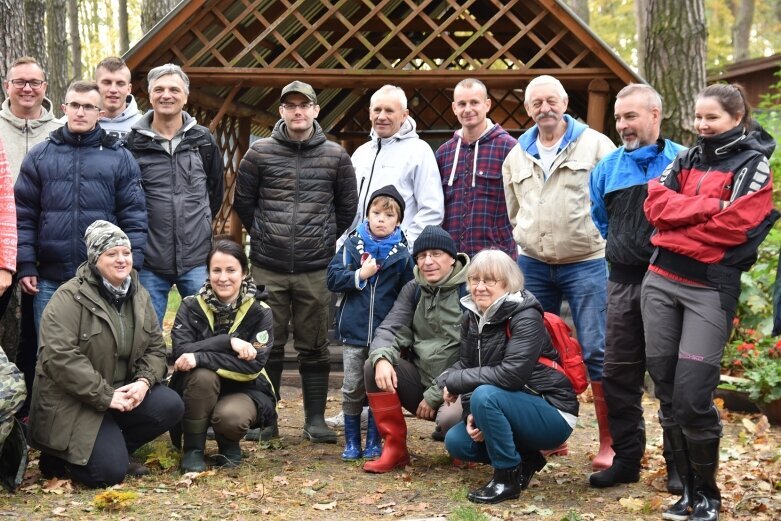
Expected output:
{"points": [[73, 29], [153, 11], [34, 14], [676, 45], [12, 40], [741, 31], [124, 35], [57, 42], [581, 8], [641, 17]]}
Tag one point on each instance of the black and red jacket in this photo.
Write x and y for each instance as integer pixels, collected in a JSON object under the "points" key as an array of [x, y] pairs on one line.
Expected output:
{"points": [[696, 238]]}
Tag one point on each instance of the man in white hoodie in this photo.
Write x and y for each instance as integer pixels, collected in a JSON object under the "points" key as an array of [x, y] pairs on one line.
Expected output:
{"points": [[470, 164], [119, 106], [397, 156]]}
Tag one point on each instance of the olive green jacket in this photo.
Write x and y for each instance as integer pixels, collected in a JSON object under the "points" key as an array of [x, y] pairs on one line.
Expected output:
{"points": [[429, 329], [73, 378]]}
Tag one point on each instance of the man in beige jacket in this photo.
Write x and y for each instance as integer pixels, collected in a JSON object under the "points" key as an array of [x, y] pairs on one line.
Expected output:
{"points": [[546, 180]]}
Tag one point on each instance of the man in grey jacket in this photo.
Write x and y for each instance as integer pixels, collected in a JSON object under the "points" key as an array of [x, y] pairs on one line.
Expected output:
{"points": [[295, 194], [182, 173]]}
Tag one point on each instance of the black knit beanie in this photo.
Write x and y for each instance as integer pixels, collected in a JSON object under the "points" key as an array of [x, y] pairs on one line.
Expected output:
{"points": [[434, 238], [387, 191]]}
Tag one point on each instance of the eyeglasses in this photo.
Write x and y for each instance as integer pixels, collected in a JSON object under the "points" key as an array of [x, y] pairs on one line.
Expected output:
{"points": [[434, 254], [488, 283], [294, 106], [34, 84], [88, 107]]}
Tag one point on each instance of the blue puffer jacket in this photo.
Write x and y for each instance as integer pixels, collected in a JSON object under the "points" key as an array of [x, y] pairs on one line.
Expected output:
{"points": [[65, 184], [364, 304]]}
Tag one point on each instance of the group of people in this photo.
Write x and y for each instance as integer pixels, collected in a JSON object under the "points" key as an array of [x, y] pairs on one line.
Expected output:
{"points": [[645, 242]]}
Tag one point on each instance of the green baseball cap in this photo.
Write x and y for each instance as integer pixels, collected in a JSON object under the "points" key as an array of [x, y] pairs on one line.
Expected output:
{"points": [[300, 87]]}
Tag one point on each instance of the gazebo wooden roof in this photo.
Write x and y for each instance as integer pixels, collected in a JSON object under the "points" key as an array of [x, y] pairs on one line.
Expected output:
{"points": [[239, 53]]}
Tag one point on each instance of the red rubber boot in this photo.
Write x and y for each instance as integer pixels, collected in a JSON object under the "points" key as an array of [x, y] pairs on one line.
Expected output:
{"points": [[386, 408], [604, 459]]}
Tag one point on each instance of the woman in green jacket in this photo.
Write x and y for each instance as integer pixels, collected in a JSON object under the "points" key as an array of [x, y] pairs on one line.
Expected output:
{"points": [[221, 340], [97, 395]]}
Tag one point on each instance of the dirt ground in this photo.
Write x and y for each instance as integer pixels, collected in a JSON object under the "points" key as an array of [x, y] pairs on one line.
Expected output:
{"points": [[293, 479]]}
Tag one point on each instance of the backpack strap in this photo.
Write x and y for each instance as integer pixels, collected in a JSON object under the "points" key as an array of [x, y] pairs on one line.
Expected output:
{"points": [[544, 360]]}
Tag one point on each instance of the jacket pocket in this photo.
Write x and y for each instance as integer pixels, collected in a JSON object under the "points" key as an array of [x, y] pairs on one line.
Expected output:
{"points": [[52, 423]]}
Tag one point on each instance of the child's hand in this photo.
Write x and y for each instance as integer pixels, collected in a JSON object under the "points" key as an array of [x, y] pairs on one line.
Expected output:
{"points": [[368, 268]]}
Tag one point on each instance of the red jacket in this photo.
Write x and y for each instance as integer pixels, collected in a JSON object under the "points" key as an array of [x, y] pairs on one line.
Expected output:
{"points": [[685, 204]]}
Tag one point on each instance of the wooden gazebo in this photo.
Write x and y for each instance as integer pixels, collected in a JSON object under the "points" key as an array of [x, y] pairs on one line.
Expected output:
{"points": [[239, 53]]}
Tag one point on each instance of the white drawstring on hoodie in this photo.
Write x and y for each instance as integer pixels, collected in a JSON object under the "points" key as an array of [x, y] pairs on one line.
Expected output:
{"points": [[489, 126]]}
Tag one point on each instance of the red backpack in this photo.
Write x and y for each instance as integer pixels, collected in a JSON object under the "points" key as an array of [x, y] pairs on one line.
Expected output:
{"points": [[570, 352]]}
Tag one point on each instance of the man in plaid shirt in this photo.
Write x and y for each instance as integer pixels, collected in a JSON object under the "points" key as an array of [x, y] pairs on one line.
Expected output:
{"points": [[470, 165]]}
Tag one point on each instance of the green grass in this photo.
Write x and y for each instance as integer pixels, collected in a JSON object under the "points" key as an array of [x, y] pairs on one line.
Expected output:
{"points": [[467, 513], [170, 313]]}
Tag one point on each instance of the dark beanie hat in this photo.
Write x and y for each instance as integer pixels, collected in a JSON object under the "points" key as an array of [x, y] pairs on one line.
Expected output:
{"points": [[434, 238], [387, 191]]}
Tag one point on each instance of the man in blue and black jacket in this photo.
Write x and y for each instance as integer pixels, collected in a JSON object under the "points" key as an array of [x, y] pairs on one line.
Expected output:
{"points": [[619, 185]]}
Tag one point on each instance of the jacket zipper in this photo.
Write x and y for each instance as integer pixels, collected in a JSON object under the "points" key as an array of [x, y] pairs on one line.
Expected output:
{"points": [[295, 211], [699, 183], [371, 307]]}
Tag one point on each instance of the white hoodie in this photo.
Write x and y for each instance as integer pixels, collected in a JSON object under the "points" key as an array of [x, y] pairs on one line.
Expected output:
{"points": [[406, 162]]}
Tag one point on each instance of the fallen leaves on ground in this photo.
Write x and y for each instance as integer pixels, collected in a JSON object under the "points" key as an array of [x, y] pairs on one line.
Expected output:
{"points": [[114, 500]]}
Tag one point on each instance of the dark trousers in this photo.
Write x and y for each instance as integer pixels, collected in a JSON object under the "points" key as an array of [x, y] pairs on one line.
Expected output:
{"points": [[121, 434], [624, 371], [410, 392]]}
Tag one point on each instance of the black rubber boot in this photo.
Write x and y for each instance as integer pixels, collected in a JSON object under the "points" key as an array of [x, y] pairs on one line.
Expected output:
{"points": [[704, 461], [674, 483], [229, 455], [505, 484], [193, 444], [531, 463], [274, 372], [314, 385], [619, 472], [681, 509]]}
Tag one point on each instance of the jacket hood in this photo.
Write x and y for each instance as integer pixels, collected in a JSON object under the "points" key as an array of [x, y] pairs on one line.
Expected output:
{"points": [[406, 131], [20, 123], [95, 137], [280, 134], [131, 109], [456, 277], [502, 308], [757, 138], [492, 131], [575, 128], [144, 125]]}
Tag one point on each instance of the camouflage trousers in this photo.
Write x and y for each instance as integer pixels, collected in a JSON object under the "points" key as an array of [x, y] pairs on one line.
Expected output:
{"points": [[12, 395]]}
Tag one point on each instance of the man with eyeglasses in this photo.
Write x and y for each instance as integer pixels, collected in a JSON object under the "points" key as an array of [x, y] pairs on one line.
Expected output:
{"points": [[182, 172], [80, 174], [414, 344], [295, 194]]}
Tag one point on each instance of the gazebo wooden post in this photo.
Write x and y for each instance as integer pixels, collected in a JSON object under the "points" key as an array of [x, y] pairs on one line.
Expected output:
{"points": [[598, 94], [236, 233]]}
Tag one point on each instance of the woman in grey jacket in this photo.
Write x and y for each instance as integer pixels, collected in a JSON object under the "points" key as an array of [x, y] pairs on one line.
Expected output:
{"points": [[514, 406]]}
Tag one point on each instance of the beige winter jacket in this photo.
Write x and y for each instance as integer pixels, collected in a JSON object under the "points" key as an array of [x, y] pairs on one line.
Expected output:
{"points": [[552, 219]]}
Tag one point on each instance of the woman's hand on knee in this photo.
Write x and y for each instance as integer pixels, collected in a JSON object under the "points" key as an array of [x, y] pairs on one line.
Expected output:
{"points": [[385, 376], [135, 392], [120, 401], [185, 362], [471, 429], [448, 396]]}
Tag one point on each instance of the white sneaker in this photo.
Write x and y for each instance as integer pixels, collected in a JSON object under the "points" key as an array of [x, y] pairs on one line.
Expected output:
{"points": [[337, 421]]}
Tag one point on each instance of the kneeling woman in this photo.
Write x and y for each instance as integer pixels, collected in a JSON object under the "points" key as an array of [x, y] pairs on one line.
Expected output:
{"points": [[96, 396], [221, 340], [514, 406]]}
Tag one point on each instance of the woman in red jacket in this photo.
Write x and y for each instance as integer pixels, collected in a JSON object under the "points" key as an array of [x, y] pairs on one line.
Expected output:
{"points": [[711, 209]]}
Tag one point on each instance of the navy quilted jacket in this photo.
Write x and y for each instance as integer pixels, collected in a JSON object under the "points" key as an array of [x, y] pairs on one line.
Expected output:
{"points": [[65, 184]]}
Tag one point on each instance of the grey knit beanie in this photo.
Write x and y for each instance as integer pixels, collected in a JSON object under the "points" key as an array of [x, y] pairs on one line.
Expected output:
{"points": [[101, 236]]}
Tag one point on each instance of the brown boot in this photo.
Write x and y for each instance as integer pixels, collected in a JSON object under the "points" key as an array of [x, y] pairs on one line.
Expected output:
{"points": [[604, 459], [386, 408]]}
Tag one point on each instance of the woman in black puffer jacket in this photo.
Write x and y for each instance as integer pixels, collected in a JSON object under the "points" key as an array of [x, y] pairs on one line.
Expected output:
{"points": [[514, 406]]}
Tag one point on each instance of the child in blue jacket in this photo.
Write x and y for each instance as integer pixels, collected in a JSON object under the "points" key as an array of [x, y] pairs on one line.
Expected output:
{"points": [[369, 271]]}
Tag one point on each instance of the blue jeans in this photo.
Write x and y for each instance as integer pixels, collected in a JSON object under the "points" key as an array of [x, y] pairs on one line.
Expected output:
{"points": [[584, 285], [158, 286], [512, 422], [46, 289]]}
